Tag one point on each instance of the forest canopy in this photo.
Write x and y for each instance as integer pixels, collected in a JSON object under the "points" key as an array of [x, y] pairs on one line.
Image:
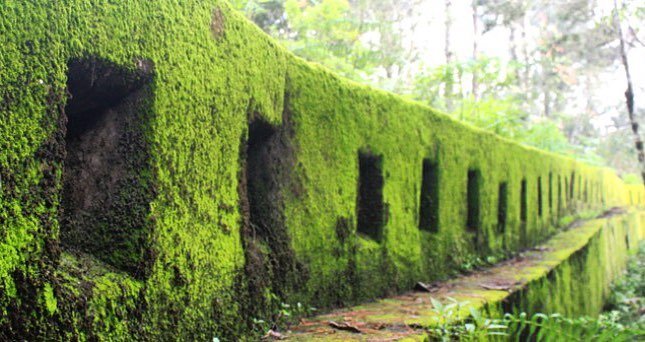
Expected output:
{"points": [[544, 73]]}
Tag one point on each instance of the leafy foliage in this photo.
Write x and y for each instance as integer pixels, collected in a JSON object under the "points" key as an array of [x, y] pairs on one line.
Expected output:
{"points": [[541, 327], [281, 315], [627, 300], [522, 327]]}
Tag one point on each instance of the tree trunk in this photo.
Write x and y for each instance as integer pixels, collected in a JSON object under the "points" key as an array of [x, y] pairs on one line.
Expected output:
{"points": [[525, 82], [475, 38], [448, 52], [629, 94], [547, 100], [513, 50]]}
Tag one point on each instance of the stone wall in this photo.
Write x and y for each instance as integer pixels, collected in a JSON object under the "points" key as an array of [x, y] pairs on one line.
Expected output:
{"points": [[167, 171]]}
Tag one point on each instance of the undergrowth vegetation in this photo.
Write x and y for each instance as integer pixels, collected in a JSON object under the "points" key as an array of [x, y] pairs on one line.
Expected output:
{"points": [[626, 304], [523, 327]]}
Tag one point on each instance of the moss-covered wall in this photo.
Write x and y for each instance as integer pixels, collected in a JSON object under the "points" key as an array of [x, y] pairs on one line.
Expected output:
{"points": [[580, 284], [569, 274], [212, 255]]}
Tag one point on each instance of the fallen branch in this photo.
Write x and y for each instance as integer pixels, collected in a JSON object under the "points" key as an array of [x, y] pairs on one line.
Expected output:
{"points": [[345, 326], [423, 287]]}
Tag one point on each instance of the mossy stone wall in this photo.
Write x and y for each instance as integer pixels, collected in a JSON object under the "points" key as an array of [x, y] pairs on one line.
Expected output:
{"points": [[213, 73], [580, 284]]}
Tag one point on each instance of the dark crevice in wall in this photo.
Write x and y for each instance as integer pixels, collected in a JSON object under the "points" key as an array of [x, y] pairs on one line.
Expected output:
{"points": [[266, 162], [370, 206], [523, 202], [523, 210], [539, 197], [473, 200], [429, 202], [572, 186], [566, 191], [106, 176], [502, 207], [550, 193], [253, 187], [559, 196], [343, 229], [258, 177]]}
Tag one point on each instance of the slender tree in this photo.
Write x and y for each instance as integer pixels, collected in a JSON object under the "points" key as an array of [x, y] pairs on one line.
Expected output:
{"points": [[448, 90], [629, 93], [475, 85]]}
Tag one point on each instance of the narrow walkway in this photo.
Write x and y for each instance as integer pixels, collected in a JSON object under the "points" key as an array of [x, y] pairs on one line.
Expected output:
{"points": [[405, 316]]}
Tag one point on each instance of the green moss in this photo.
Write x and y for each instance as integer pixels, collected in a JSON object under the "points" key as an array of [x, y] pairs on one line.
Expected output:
{"points": [[580, 285], [213, 71], [49, 299]]}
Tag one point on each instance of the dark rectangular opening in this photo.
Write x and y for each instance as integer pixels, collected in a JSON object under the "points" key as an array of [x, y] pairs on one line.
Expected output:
{"points": [[586, 192], [571, 185], [539, 199], [472, 197], [559, 195], [265, 163], [260, 178], [106, 172], [502, 207], [371, 217], [523, 202], [429, 202], [551, 193]]}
